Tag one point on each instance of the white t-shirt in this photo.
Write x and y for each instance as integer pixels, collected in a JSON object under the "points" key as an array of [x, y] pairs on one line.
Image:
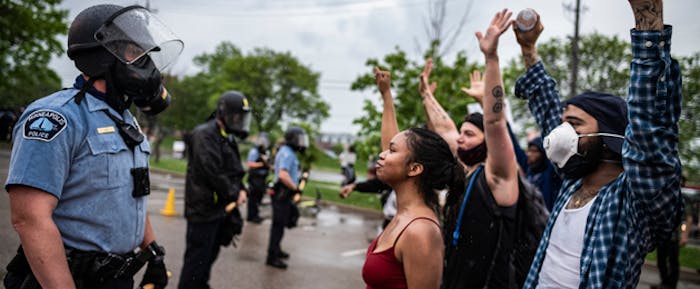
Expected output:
{"points": [[562, 262]]}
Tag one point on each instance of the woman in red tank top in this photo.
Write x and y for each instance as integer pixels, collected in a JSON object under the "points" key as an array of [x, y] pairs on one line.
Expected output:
{"points": [[415, 163]]}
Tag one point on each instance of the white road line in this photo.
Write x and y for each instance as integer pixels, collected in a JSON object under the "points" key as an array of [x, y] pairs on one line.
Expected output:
{"points": [[353, 252]]}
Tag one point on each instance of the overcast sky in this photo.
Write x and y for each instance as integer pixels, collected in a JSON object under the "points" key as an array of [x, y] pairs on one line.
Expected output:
{"points": [[336, 37]]}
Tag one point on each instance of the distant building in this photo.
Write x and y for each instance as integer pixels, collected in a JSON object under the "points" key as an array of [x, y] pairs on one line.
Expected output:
{"points": [[326, 140]]}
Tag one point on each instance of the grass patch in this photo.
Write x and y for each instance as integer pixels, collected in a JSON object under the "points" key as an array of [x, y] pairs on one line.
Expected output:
{"points": [[170, 164], [331, 192], [689, 257], [326, 163]]}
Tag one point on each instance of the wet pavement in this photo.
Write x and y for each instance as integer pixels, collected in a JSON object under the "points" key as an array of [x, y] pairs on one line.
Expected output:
{"points": [[327, 249]]}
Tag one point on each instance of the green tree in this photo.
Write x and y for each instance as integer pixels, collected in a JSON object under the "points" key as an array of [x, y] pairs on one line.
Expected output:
{"points": [[408, 102], [278, 86], [27, 42], [689, 124], [190, 101]]}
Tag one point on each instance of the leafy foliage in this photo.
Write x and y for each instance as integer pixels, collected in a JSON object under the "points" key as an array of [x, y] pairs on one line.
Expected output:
{"points": [[278, 87], [190, 104], [27, 42], [689, 124], [407, 100]]}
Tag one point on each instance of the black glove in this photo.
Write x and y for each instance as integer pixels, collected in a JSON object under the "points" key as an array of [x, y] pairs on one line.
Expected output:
{"points": [[156, 274]]}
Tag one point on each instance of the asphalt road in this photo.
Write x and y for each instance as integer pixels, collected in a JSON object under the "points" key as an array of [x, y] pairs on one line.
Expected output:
{"points": [[327, 250]]}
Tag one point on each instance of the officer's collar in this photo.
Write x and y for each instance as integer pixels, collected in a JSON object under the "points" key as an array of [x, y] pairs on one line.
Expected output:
{"points": [[94, 98], [80, 82]]}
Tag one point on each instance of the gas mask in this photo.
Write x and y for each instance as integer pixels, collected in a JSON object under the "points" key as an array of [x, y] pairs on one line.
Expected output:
{"points": [[474, 155], [143, 46], [138, 82], [561, 147]]}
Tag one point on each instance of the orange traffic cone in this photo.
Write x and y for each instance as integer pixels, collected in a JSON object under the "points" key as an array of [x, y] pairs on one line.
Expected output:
{"points": [[169, 209]]}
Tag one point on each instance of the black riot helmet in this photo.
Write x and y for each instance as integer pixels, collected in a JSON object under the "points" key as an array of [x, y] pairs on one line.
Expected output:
{"points": [[89, 56], [126, 46], [296, 138], [234, 112]]}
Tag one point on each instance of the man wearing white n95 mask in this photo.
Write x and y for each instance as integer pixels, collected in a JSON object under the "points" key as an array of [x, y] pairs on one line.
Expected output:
{"points": [[621, 190]]}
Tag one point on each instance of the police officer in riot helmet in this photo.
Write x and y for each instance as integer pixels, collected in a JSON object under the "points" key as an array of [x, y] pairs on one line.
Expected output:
{"points": [[296, 138], [287, 175], [233, 111], [258, 168], [79, 167], [126, 62], [213, 187]]}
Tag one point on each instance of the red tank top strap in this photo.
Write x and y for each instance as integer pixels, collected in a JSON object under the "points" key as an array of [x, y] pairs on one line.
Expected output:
{"points": [[409, 223]]}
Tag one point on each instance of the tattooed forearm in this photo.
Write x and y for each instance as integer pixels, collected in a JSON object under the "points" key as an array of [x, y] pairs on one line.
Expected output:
{"points": [[498, 106], [648, 14], [497, 91]]}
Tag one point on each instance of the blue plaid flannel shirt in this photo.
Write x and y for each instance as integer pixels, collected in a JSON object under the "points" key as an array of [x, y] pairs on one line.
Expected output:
{"points": [[643, 204]]}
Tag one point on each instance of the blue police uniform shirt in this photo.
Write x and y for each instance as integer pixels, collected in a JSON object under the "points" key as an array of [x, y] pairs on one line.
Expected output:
{"points": [[253, 155], [287, 160], [74, 152]]}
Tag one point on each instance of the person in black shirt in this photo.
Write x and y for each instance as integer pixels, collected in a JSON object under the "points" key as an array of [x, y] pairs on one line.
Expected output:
{"points": [[477, 219]]}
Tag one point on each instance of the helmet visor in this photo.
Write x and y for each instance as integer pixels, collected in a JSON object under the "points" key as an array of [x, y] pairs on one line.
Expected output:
{"points": [[238, 122], [303, 140], [134, 32]]}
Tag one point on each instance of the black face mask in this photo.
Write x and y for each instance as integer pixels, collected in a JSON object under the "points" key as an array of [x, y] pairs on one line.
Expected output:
{"points": [[539, 165], [474, 155], [581, 165], [139, 82]]}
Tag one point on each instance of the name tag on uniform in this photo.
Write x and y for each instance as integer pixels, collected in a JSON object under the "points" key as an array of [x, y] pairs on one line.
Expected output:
{"points": [[106, 129]]}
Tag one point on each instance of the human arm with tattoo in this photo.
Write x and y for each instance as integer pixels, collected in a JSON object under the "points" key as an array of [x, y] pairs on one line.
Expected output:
{"points": [[501, 168]]}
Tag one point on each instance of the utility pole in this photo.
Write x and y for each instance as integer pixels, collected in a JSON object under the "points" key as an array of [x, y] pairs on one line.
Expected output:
{"points": [[574, 47]]}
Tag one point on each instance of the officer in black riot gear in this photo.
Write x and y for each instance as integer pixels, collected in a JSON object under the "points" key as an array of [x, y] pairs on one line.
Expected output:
{"points": [[213, 183], [79, 169]]}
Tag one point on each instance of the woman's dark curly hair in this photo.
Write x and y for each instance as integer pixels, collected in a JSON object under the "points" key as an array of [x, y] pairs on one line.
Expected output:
{"points": [[441, 170]]}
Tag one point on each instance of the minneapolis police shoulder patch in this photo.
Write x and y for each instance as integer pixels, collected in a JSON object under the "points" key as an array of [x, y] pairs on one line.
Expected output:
{"points": [[44, 125]]}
